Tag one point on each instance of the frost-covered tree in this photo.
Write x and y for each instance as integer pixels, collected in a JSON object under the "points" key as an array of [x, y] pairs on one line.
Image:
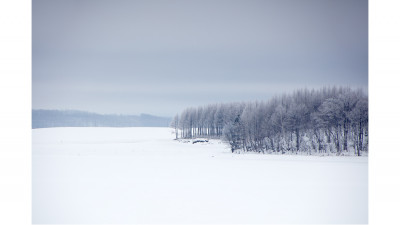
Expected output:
{"points": [[174, 124], [359, 119], [233, 134], [329, 120]]}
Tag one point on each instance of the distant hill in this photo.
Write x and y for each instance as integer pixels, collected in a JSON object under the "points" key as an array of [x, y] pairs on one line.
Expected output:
{"points": [[73, 118]]}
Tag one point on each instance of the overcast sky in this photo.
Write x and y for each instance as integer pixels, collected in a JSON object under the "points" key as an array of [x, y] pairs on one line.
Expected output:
{"points": [[158, 57]]}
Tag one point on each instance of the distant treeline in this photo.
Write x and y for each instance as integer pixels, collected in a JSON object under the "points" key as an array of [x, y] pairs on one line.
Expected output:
{"points": [[332, 120], [73, 118]]}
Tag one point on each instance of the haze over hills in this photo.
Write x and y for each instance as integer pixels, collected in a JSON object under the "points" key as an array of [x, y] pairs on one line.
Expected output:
{"points": [[74, 118]]}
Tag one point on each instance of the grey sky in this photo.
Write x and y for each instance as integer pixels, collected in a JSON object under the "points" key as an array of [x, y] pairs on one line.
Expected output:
{"points": [[158, 57]]}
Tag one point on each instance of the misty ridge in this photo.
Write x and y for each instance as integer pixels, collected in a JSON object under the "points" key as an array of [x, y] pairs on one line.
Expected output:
{"points": [[328, 121], [74, 118]]}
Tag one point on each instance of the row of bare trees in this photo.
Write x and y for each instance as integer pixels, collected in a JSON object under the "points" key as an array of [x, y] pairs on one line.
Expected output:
{"points": [[332, 120]]}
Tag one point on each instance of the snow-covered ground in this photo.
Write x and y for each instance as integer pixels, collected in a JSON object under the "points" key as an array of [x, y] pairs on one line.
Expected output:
{"points": [[142, 175]]}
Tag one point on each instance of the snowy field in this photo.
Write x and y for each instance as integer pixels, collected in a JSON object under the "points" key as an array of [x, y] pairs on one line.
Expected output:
{"points": [[142, 175]]}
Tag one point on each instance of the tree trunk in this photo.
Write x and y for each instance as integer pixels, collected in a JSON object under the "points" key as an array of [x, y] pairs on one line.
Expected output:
{"points": [[360, 140], [338, 141], [345, 134], [297, 139]]}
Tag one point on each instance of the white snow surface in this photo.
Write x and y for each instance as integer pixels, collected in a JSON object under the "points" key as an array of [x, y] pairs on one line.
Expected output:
{"points": [[141, 175]]}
